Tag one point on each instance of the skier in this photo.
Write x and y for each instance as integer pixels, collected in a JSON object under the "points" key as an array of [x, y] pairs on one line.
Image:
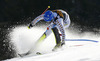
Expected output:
{"points": [[59, 20]]}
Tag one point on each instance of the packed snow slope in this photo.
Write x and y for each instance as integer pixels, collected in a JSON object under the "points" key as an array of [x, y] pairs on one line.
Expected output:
{"points": [[24, 39]]}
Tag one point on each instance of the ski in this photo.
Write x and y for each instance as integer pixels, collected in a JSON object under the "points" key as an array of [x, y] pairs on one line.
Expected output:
{"points": [[24, 54]]}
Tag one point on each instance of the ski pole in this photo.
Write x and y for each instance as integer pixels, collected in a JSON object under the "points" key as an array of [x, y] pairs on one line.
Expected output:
{"points": [[46, 10]]}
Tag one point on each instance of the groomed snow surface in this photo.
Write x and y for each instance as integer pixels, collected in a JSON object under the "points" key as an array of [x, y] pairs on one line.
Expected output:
{"points": [[24, 39]]}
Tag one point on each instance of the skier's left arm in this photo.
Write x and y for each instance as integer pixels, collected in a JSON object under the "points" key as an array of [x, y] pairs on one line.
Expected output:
{"points": [[67, 20], [37, 19]]}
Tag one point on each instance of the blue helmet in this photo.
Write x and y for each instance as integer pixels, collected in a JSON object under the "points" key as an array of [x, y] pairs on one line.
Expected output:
{"points": [[48, 16]]}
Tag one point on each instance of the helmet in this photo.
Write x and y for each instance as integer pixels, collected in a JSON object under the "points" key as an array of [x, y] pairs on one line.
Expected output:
{"points": [[48, 16]]}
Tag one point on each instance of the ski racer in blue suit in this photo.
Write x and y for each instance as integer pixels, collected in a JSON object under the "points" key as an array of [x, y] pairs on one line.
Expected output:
{"points": [[59, 20]]}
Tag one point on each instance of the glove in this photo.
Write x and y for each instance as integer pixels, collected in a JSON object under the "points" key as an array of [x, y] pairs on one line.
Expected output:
{"points": [[30, 25]]}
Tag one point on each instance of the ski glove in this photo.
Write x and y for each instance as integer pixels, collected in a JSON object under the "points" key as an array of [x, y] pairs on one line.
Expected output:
{"points": [[30, 25]]}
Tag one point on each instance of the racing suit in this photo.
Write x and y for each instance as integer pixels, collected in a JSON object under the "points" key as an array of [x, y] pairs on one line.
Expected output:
{"points": [[58, 24]]}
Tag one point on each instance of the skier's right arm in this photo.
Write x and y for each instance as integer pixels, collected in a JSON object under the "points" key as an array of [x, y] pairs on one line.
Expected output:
{"points": [[37, 19]]}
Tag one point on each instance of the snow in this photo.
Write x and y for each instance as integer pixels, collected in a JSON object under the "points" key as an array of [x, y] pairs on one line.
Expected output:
{"points": [[24, 40]]}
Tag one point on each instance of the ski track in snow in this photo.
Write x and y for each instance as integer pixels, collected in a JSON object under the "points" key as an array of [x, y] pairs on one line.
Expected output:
{"points": [[24, 39]]}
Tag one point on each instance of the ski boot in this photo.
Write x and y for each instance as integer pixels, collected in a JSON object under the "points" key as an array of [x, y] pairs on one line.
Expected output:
{"points": [[58, 46]]}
